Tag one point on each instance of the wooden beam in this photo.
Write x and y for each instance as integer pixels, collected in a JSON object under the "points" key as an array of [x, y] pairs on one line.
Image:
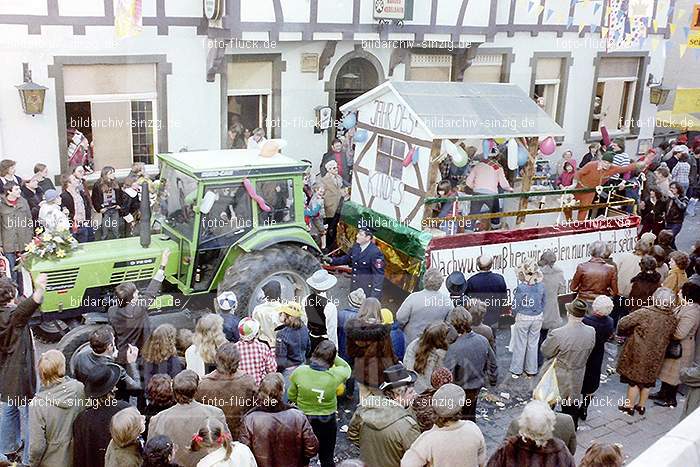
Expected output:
{"points": [[528, 173]]}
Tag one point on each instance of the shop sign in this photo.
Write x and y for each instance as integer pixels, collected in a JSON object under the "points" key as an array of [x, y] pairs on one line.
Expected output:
{"points": [[395, 117], [390, 9], [386, 188], [213, 9]]}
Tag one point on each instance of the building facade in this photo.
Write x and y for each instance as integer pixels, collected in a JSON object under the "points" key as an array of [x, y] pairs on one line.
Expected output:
{"points": [[187, 79]]}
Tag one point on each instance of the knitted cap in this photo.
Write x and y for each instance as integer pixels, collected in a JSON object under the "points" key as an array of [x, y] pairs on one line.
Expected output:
{"points": [[440, 377], [448, 400], [356, 297], [609, 156]]}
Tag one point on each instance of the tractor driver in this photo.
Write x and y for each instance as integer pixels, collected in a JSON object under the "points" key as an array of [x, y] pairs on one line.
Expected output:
{"points": [[367, 263]]}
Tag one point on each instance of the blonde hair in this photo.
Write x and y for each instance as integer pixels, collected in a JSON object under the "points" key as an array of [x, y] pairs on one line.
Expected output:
{"points": [[52, 367], [208, 336], [160, 346], [126, 426]]}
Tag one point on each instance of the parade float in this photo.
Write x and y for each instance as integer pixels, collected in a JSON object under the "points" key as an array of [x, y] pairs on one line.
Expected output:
{"points": [[404, 131]]}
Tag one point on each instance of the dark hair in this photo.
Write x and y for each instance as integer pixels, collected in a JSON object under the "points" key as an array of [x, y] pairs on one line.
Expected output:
{"points": [[444, 185], [183, 341], [679, 188], [101, 338], [157, 452], [104, 183], [444, 421], [8, 290], [8, 187], [38, 167], [434, 337], [124, 293], [602, 455], [227, 358], [665, 238], [130, 180], [683, 157], [65, 180], [271, 390], [659, 255], [5, 164], [335, 140], [681, 259], [159, 390], [648, 264], [325, 353], [185, 386], [272, 290]]}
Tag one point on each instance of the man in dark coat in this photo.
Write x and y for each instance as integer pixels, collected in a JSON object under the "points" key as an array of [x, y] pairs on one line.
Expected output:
{"points": [[489, 287], [129, 317], [91, 434], [367, 263], [17, 373]]}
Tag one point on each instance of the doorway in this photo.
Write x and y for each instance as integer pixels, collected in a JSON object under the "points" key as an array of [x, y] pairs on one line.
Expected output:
{"points": [[357, 76]]}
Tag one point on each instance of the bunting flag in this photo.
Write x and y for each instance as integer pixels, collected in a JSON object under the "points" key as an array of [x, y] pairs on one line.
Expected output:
{"points": [[128, 19], [680, 14], [686, 31], [550, 12], [655, 24], [603, 32], [581, 27], [570, 22], [593, 27], [654, 43], [538, 10], [530, 4], [596, 7], [673, 27], [683, 48]]}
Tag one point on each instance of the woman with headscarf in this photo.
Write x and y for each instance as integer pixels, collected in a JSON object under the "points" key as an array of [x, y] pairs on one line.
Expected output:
{"points": [[528, 308], [604, 329]]}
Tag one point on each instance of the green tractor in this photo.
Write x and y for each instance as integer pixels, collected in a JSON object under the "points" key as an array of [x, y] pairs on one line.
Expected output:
{"points": [[233, 221]]}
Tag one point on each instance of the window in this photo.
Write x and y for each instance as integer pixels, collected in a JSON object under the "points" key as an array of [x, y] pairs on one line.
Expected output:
{"points": [[430, 67], [114, 107], [249, 91], [142, 145], [230, 216], [615, 94], [485, 69], [548, 86], [177, 195], [279, 196], [390, 155]]}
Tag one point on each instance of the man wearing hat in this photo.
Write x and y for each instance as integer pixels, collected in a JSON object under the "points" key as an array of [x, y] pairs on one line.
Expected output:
{"points": [[451, 441], [91, 434], [596, 173], [367, 262], [322, 314], [382, 426], [571, 344]]}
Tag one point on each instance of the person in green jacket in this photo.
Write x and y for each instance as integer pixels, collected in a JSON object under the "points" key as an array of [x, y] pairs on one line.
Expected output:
{"points": [[313, 389]]}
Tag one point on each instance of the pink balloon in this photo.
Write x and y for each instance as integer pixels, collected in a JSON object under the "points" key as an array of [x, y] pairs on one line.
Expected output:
{"points": [[548, 146]]}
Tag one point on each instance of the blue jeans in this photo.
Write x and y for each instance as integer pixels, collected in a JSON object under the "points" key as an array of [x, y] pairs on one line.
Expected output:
{"points": [[84, 234], [14, 429], [15, 275]]}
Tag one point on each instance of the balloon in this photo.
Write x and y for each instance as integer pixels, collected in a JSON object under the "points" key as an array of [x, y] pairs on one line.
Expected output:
{"points": [[548, 146], [523, 156], [605, 135], [361, 136], [349, 121], [500, 140], [512, 154], [409, 158], [486, 147], [461, 158], [416, 153]]}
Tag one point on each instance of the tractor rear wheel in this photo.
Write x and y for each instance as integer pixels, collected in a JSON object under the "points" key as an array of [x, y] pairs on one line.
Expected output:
{"points": [[290, 265]]}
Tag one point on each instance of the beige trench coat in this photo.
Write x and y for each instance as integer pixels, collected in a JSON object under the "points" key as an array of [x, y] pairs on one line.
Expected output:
{"points": [[571, 344], [688, 322]]}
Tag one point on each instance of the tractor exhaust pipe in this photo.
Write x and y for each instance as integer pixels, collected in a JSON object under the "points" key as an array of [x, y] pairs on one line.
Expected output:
{"points": [[145, 210]]}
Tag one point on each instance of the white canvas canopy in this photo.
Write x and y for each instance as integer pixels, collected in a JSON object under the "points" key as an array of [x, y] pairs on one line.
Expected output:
{"points": [[467, 110]]}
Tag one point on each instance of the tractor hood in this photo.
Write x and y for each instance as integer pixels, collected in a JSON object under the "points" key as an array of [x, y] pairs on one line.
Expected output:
{"points": [[101, 264]]}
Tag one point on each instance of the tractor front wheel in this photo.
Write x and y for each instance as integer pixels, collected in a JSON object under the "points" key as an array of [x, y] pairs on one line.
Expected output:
{"points": [[74, 341], [290, 265]]}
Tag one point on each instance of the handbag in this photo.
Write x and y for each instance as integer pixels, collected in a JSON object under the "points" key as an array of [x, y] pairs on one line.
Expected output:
{"points": [[674, 350], [547, 389]]}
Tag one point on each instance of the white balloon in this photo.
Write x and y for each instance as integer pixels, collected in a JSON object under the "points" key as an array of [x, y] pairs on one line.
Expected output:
{"points": [[512, 154]]}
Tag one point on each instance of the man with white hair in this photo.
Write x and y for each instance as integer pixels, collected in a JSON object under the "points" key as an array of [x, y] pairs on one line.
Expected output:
{"points": [[535, 443], [571, 344], [490, 287], [604, 328], [424, 307], [332, 200], [595, 276]]}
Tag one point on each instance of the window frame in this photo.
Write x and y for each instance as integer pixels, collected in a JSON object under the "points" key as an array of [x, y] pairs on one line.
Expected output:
{"points": [[638, 94], [567, 61], [390, 156]]}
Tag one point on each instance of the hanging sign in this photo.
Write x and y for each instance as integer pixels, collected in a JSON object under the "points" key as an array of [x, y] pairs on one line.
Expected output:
{"points": [[389, 9]]}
